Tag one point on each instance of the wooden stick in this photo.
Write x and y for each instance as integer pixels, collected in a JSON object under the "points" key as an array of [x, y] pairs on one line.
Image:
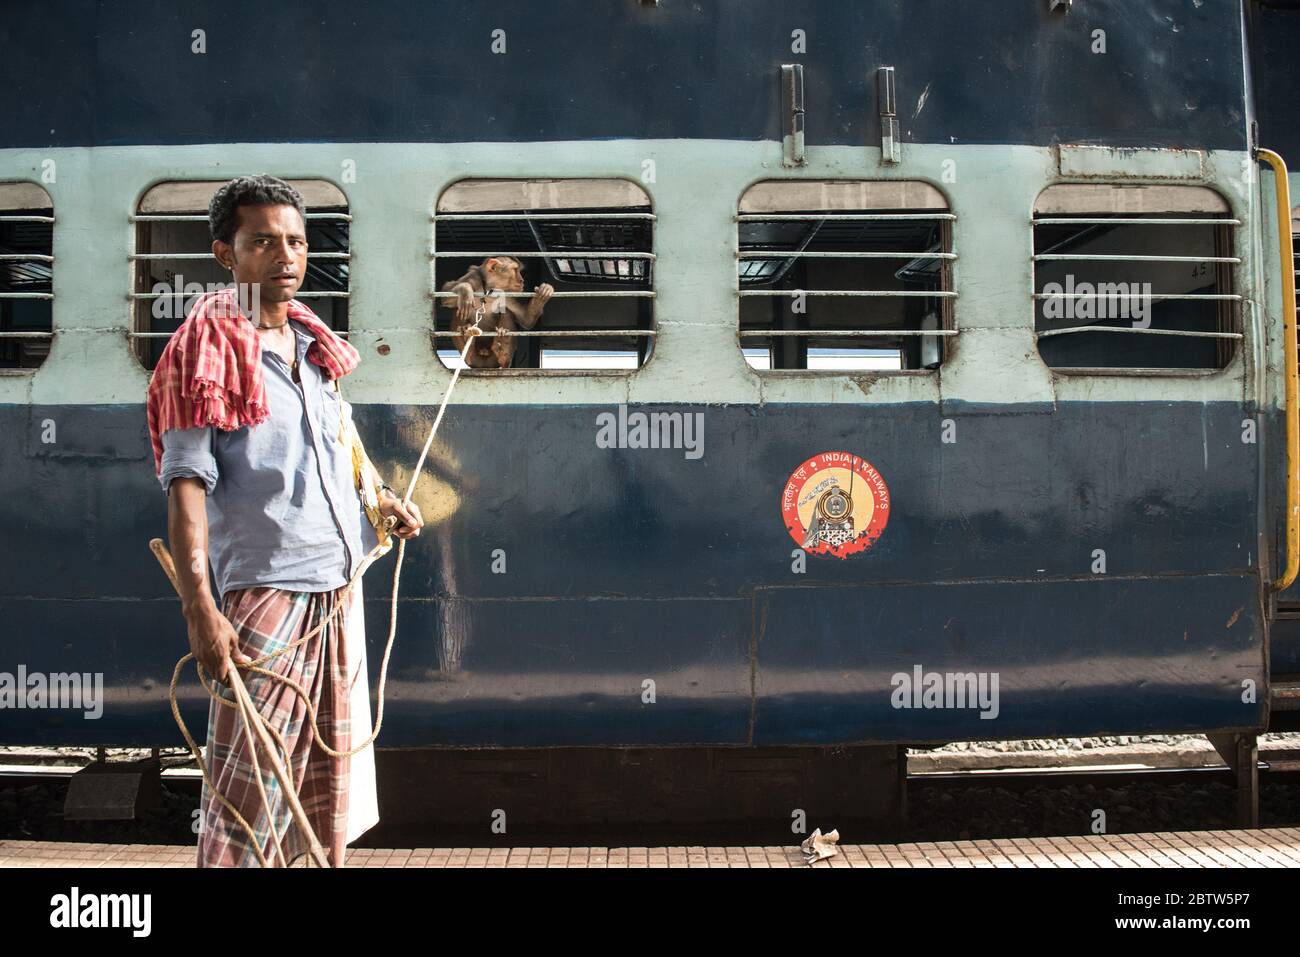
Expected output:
{"points": [[236, 683], [286, 783]]}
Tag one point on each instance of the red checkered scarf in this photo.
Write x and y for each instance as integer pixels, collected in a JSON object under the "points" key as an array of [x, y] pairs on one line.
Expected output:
{"points": [[210, 372]]}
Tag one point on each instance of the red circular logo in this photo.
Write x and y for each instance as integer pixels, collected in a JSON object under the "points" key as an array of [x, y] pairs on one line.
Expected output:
{"points": [[835, 503]]}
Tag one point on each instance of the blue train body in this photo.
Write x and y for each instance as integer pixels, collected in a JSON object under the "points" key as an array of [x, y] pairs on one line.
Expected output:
{"points": [[637, 568]]}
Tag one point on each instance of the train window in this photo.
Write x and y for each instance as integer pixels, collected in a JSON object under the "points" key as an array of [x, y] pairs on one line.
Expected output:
{"points": [[1295, 253], [590, 240], [26, 275], [174, 262], [1137, 278], [845, 275]]}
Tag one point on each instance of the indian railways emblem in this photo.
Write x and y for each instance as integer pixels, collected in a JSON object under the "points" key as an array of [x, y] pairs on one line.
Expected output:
{"points": [[835, 503]]}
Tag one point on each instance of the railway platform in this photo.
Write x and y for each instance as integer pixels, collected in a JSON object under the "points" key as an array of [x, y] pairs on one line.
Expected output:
{"points": [[1265, 848]]}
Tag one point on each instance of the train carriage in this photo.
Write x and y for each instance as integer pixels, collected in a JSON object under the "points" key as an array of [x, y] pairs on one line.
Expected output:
{"points": [[916, 372]]}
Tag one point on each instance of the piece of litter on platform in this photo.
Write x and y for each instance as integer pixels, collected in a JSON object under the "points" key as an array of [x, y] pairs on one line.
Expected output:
{"points": [[820, 846]]}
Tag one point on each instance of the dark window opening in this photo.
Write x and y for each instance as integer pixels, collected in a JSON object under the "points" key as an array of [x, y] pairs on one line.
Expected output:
{"points": [[1134, 277], [26, 275], [591, 240], [845, 276], [1295, 260]]}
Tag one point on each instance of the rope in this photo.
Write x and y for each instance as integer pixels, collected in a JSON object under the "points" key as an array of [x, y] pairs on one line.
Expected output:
{"points": [[257, 728]]}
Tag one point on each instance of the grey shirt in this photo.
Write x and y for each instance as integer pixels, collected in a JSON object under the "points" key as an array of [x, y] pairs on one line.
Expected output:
{"points": [[283, 508]]}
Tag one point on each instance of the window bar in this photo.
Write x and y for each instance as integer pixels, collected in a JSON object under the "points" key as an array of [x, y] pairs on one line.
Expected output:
{"points": [[575, 333], [904, 293], [327, 294], [132, 334], [1150, 332], [587, 294], [863, 333], [1098, 257], [202, 217], [557, 217], [208, 255], [847, 255], [602, 254], [865, 217], [1101, 221], [1155, 296]]}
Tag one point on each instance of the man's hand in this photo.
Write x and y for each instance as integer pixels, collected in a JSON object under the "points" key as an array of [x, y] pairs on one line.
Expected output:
{"points": [[408, 516], [214, 641]]}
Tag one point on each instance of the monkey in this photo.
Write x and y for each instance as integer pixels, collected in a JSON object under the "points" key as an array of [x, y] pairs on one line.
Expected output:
{"points": [[500, 314]]}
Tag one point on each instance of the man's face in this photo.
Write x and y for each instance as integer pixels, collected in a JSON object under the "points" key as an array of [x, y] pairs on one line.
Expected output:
{"points": [[269, 249]]}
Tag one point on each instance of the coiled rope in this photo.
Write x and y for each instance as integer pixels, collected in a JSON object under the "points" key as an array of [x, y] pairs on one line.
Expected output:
{"points": [[256, 727]]}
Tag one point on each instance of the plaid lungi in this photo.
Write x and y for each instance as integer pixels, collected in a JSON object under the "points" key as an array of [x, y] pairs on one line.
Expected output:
{"points": [[330, 667]]}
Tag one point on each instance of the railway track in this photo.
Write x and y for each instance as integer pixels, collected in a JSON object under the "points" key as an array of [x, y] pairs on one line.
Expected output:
{"points": [[1157, 767]]}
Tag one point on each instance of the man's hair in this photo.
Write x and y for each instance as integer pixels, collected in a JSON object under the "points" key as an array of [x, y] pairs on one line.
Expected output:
{"points": [[261, 190]]}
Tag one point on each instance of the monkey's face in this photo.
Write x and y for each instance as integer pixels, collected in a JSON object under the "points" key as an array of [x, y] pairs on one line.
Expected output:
{"points": [[505, 273]]}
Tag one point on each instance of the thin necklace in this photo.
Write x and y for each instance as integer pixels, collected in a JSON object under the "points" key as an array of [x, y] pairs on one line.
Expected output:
{"points": [[293, 367]]}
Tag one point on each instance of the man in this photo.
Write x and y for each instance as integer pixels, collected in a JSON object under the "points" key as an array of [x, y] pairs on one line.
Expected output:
{"points": [[246, 422]]}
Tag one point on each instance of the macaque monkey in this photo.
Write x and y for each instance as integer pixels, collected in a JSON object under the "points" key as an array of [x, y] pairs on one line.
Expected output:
{"points": [[500, 314]]}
